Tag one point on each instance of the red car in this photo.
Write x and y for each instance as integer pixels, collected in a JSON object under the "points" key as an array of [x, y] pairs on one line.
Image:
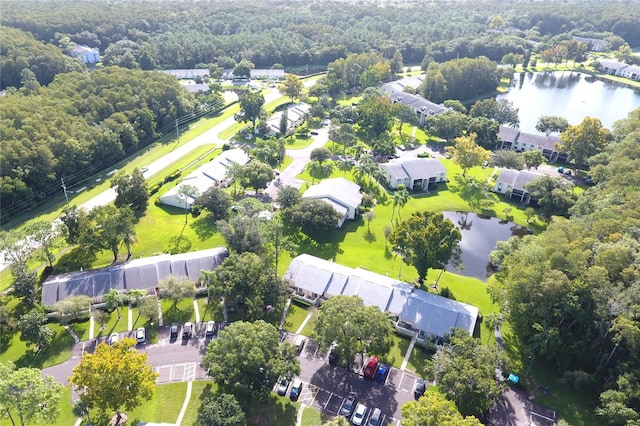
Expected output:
{"points": [[371, 367]]}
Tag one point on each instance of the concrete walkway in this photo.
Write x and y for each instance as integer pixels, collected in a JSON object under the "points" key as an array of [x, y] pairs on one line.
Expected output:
{"points": [[408, 354], [185, 404], [72, 333], [299, 330], [299, 416], [130, 318], [196, 310], [91, 325]]}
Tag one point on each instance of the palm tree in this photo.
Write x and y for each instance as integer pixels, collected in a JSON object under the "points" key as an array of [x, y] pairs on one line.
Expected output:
{"points": [[345, 166], [400, 197], [231, 175], [320, 168], [113, 299], [136, 294], [494, 321], [184, 193], [358, 149], [129, 239]]}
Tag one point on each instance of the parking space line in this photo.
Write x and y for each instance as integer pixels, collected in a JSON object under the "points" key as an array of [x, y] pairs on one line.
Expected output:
{"points": [[400, 381], [328, 399]]}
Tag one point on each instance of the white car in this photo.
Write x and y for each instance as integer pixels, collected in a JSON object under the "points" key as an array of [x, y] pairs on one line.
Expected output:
{"points": [[141, 335], [113, 338], [211, 328], [359, 415]]}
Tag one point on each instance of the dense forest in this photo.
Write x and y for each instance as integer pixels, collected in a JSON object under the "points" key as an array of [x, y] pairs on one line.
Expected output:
{"points": [[184, 34], [77, 123], [572, 294]]}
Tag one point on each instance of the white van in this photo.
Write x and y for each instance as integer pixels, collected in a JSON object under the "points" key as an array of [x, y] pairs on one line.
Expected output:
{"points": [[299, 343]]}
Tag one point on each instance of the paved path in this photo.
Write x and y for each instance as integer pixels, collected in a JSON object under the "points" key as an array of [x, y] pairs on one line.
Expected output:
{"points": [[306, 320]]}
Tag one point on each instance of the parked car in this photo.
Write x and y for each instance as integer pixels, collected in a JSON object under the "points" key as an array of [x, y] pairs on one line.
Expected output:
{"points": [[561, 170], [113, 338], [401, 147], [299, 343], [144, 169], [173, 332], [381, 374], [567, 172], [187, 330], [359, 414], [589, 180], [296, 388], [420, 388], [375, 419], [370, 368], [283, 385], [314, 132], [211, 328], [141, 335], [333, 357], [349, 405]]}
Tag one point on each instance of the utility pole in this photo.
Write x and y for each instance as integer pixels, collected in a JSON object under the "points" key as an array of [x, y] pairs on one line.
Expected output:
{"points": [[64, 188]]}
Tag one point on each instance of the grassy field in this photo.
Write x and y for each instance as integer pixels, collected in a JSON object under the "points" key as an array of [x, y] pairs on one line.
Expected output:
{"points": [[312, 417], [181, 312], [59, 350], [295, 315]]}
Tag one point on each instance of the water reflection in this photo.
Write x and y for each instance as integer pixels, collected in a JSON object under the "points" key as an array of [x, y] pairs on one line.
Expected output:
{"points": [[479, 237]]}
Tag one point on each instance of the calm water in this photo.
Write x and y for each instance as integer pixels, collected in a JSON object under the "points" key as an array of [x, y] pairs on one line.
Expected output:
{"points": [[570, 95], [479, 237]]}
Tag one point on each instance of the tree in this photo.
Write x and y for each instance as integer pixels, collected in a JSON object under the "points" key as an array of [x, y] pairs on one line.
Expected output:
{"points": [[24, 282], [353, 327], [551, 123], [404, 114], [13, 247], [241, 233], [251, 108], [107, 227], [486, 130], [502, 111], [135, 295], [130, 379], [314, 216], [247, 282], [221, 410], [216, 201], [467, 153], [368, 217], [72, 307], [187, 194], [131, 190], [320, 155], [75, 221], [455, 105], [291, 86], [433, 409], [448, 125], [243, 68], [493, 321], [376, 113], [288, 196], [400, 197], [554, 195], [256, 175], [44, 235], [177, 288], [33, 326], [532, 158], [512, 59], [148, 308], [427, 241], [465, 371], [113, 299], [344, 135], [508, 159], [584, 140], [26, 393], [100, 317], [249, 355]]}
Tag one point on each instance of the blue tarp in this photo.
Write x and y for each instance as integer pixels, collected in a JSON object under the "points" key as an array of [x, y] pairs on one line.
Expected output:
{"points": [[513, 378]]}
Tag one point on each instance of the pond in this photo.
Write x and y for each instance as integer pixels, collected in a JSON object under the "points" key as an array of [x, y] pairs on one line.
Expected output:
{"points": [[571, 95], [479, 237]]}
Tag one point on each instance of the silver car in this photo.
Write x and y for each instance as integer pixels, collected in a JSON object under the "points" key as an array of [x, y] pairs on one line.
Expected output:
{"points": [[359, 415]]}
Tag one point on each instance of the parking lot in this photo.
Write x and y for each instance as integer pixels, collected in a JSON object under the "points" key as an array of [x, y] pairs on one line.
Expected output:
{"points": [[326, 387]]}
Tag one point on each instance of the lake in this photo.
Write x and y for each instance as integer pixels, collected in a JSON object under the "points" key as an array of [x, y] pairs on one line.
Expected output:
{"points": [[479, 237], [571, 95]]}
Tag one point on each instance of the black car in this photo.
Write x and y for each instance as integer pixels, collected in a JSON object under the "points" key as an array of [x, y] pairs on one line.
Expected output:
{"points": [[349, 405], [173, 333], [333, 357], [420, 388]]}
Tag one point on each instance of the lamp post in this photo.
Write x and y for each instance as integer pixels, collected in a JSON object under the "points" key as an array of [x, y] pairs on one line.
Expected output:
{"points": [[526, 374]]}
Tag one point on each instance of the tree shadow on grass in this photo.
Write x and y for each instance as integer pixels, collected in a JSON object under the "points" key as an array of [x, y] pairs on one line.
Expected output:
{"points": [[270, 410], [204, 227], [61, 343], [179, 244], [370, 237], [75, 260], [174, 314]]}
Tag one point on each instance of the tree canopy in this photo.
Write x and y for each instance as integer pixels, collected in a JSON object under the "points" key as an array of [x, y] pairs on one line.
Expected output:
{"points": [[426, 240], [353, 327], [249, 355], [433, 409], [24, 393], [131, 379]]}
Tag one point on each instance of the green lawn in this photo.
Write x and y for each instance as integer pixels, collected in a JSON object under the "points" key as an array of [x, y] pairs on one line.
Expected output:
{"points": [[198, 391], [58, 351], [399, 347], [114, 325], [417, 361], [183, 311], [209, 312], [308, 329], [298, 142], [295, 315], [312, 417], [275, 410], [66, 416], [81, 329]]}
